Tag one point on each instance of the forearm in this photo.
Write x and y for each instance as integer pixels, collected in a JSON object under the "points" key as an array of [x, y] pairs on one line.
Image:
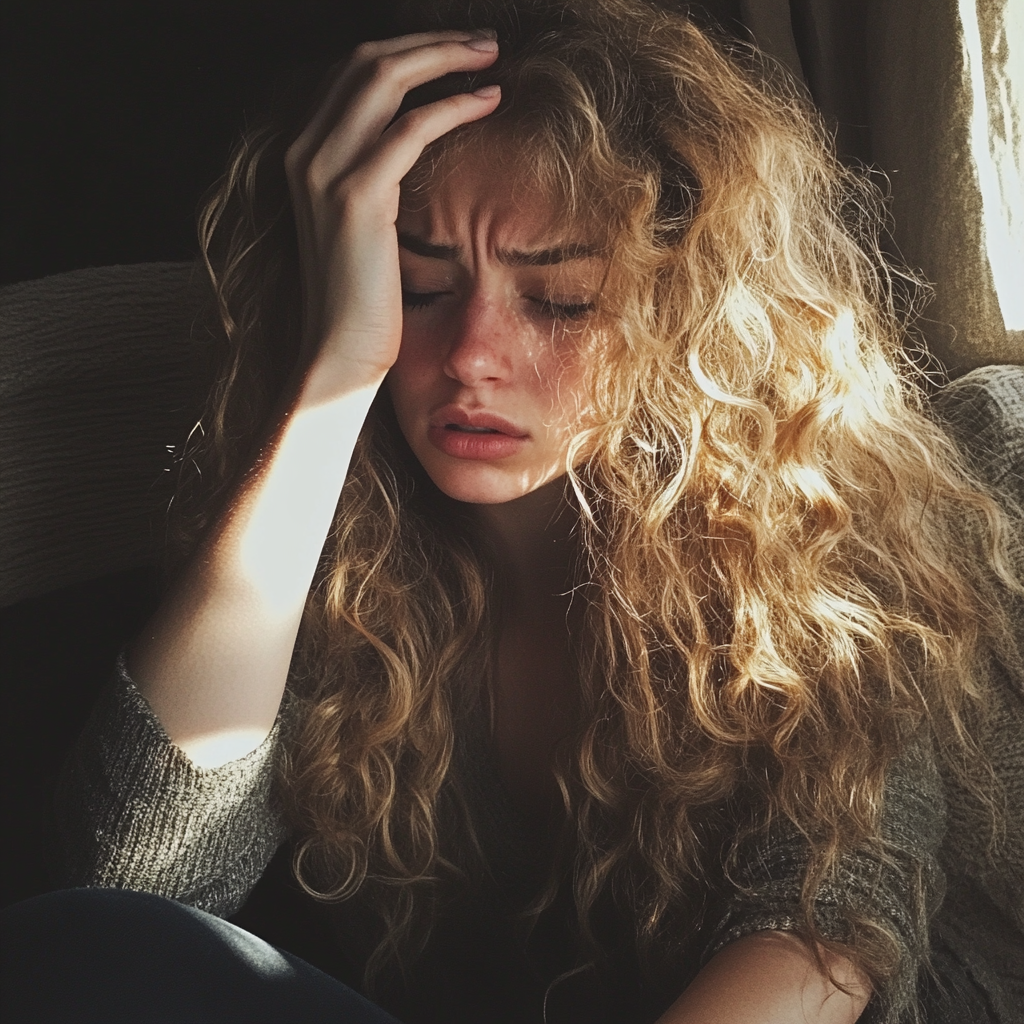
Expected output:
{"points": [[213, 661], [770, 978]]}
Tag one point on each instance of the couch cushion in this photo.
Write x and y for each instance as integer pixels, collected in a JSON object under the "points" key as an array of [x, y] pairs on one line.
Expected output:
{"points": [[100, 372]]}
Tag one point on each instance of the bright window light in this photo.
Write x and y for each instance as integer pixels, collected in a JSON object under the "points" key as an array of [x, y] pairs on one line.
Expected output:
{"points": [[997, 145]]}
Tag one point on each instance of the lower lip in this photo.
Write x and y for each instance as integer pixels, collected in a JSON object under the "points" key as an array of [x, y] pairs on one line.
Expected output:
{"points": [[460, 444]]}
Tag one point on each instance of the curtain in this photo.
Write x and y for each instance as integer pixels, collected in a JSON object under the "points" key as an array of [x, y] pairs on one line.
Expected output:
{"points": [[930, 92]]}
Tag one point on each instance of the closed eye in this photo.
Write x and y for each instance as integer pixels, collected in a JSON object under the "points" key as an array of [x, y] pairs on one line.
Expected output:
{"points": [[417, 300], [555, 310], [564, 310]]}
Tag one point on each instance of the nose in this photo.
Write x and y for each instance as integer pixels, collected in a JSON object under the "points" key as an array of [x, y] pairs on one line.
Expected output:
{"points": [[482, 343]]}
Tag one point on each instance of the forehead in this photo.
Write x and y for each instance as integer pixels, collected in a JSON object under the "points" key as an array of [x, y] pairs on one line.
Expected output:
{"points": [[491, 189]]}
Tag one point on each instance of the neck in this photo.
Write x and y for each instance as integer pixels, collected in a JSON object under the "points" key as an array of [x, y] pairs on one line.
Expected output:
{"points": [[532, 537]]}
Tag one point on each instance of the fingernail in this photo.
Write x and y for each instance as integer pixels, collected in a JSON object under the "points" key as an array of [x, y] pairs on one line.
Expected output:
{"points": [[485, 33], [488, 45], [485, 92]]}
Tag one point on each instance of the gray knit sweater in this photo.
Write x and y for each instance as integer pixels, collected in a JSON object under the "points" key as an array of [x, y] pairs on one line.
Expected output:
{"points": [[134, 812]]}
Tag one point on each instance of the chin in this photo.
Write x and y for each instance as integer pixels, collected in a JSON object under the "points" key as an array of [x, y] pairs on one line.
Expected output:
{"points": [[482, 483], [478, 488]]}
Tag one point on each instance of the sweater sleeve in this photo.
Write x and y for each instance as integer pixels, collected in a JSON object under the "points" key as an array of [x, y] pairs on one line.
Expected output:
{"points": [[133, 812], [896, 889]]}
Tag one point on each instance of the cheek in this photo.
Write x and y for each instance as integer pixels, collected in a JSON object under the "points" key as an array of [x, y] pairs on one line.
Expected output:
{"points": [[562, 383], [415, 350]]}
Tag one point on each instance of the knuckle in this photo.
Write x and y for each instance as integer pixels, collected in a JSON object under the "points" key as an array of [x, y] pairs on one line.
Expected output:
{"points": [[384, 67], [352, 188], [359, 198], [413, 122], [366, 51], [316, 179], [377, 70], [316, 175]]}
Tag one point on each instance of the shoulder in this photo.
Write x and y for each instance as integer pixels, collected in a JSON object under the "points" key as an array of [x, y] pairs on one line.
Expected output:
{"points": [[984, 413]]}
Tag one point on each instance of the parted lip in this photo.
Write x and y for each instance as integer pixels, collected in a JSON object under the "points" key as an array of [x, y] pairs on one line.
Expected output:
{"points": [[456, 415]]}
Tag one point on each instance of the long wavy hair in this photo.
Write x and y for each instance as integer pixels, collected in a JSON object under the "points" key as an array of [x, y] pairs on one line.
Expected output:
{"points": [[787, 568]]}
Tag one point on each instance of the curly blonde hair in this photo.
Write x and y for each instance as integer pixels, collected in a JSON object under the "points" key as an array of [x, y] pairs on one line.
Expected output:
{"points": [[780, 588]]}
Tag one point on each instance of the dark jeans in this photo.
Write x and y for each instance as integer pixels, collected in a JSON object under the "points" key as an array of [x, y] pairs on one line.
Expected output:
{"points": [[110, 956]]}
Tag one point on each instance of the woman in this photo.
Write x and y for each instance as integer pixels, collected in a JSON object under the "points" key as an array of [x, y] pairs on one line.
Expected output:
{"points": [[564, 466]]}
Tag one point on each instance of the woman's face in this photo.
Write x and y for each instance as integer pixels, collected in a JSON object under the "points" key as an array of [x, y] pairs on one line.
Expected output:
{"points": [[495, 320]]}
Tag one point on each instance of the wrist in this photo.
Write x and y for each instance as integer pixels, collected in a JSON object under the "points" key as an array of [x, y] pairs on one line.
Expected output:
{"points": [[328, 380]]}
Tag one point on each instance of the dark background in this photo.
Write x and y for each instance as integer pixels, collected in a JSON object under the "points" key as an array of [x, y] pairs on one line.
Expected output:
{"points": [[117, 116]]}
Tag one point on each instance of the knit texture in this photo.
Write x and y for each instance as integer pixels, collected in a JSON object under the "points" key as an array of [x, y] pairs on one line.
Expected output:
{"points": [[897, 888], [135, 813], [101, 375], [982, 918]]}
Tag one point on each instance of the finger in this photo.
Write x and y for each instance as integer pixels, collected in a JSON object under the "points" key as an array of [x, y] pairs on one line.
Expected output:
{"points": [[410, 42], [398, 149], [350, 71], [373, 107]]}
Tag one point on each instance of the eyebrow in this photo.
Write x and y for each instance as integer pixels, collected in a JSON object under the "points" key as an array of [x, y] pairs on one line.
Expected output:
{"points": [[510, 257]]}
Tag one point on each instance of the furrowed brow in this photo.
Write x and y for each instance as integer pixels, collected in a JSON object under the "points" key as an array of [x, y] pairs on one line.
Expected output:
{"points": [[429, 249], [510, 257], [547, 257]]}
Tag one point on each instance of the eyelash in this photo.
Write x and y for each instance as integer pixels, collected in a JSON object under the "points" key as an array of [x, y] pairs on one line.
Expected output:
{"points": [[418, 300], [556, 310]]}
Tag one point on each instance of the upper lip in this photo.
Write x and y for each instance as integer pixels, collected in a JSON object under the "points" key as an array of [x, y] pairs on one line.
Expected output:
{"points": [[455, 414]]}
